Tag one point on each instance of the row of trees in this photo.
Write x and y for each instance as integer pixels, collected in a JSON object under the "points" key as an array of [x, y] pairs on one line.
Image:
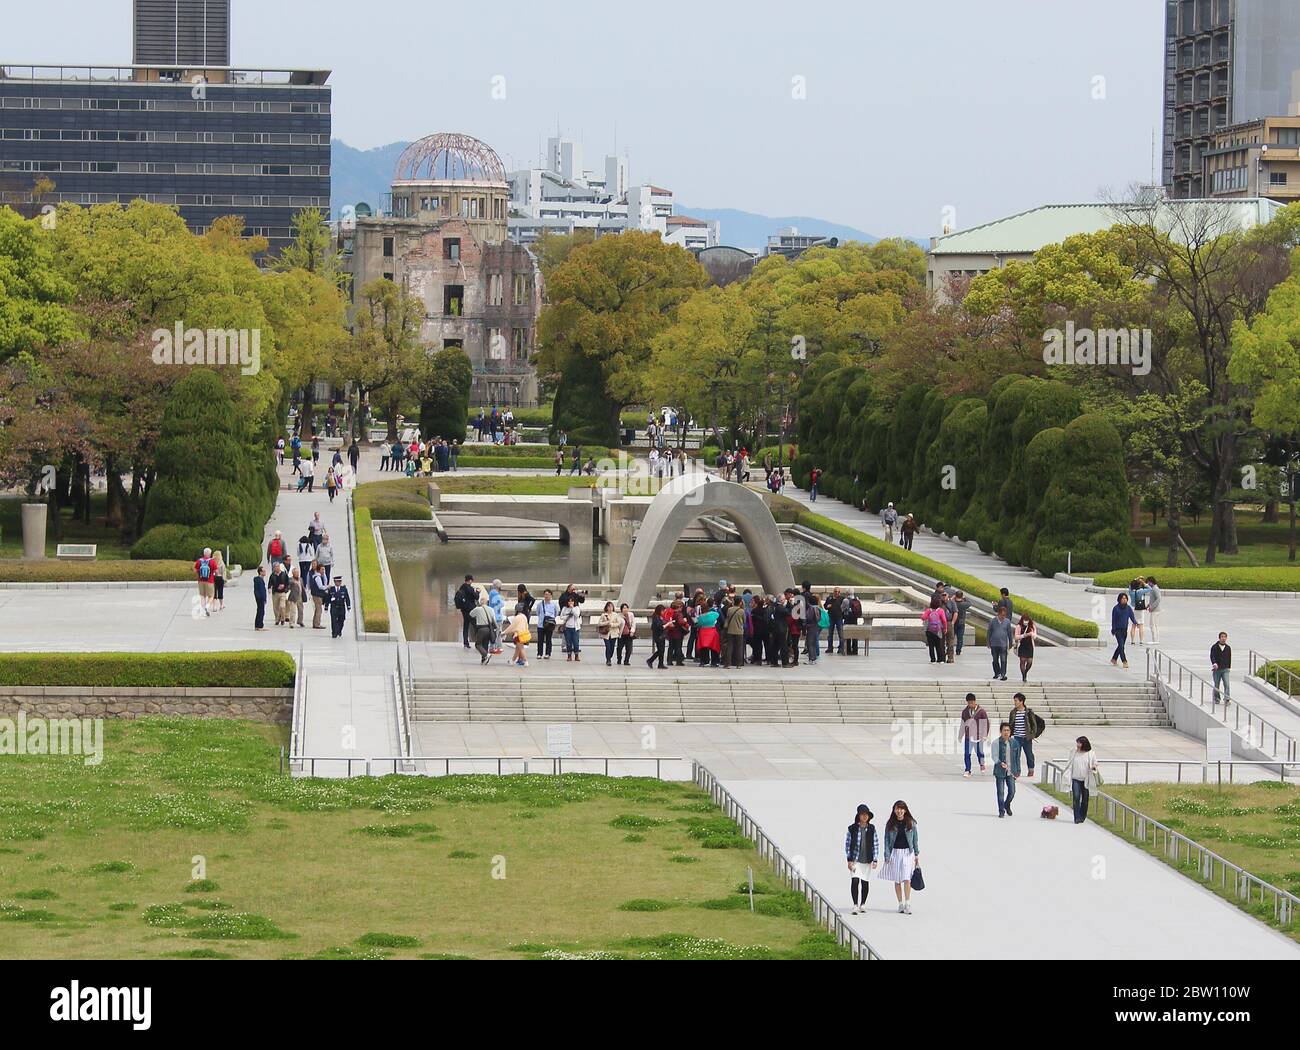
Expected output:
{"points": [[1214, 420]]}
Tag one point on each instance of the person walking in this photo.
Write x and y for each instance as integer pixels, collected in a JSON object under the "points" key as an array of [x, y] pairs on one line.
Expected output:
{"points": [[814, 479], [259, 598], [483, 623], [318, 585], [306, 554], [861, 848], [1137, 600], [203, 577], [308, 474], [1005, 602], [627, 631], [548, 614], [296, 597], [1001, 633], [962, 604], [325, 554], [218, 581], [1084, 777], [908, 530], [1026, 642], [1121, 617], [1153, 609], [1002, 776], [1026, 727], [889, 519], [1221, 665], [658, 636], [279, 586], [340, 602], [331, 484], [354, 457], [608, 627], [900, 852], [275, 550], [935, 620], [974, 731], [571, 624]]}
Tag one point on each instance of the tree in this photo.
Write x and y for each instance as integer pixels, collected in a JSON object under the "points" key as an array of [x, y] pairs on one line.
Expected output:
{"points": [[312, 249], [606, 304], [33, 293], [444, 394], [385, 356]]}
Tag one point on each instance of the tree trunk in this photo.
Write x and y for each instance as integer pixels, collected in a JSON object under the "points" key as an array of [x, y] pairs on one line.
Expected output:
{"points": [[1228, 536], [1290, 554], [1174, 518], [1218, 504], [1270, 513], [56, 519], [1134, 511]]}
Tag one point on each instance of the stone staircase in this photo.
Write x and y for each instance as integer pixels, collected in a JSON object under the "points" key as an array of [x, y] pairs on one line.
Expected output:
{"points": [[690, 699]]}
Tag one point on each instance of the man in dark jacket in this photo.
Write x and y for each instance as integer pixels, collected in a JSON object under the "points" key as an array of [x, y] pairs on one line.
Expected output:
{"points": [[835, 613], [339, 602], [1220, 665], [465, 600], [259, 596], [354, 456]]}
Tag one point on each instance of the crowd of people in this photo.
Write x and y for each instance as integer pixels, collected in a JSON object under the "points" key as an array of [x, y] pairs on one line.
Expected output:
{"points": [[291, 577], [418, 457]]}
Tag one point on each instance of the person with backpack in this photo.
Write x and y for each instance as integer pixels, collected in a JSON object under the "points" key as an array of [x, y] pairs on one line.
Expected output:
{"points": [[900, 851], [974, 730], [852, 612], [465, 601], [816, 620], [888, 519], [259, 598], [935, 620], [275, 550], [1003, 779], [203, 575], [548, 613], [861, 848], [1138, 594], [1026, 727]]}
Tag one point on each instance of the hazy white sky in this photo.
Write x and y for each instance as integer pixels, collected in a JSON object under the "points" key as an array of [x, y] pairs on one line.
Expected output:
{"points": [[910, 107]]}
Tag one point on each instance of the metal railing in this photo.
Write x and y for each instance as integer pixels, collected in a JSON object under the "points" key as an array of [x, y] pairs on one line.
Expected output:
{"points": [[299, 704], [791, 874], [1184, 853], [402, 696], [1204, 767], [1161, 667], [1274, 674], [402, 764]]}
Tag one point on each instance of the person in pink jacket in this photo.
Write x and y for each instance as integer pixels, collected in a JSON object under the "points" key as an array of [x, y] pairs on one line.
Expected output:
{"points": [[936, 629]]}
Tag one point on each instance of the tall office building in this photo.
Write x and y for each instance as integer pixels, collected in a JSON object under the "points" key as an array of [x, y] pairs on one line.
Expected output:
{"points": [[182, 33], [209, 138], [1227, 62]]}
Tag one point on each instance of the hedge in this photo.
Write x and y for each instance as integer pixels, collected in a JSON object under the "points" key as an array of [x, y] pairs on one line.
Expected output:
{"points": [[117, 571], [1210, 578], [400, 510], [1067, 625], [374, 603], [1269, 672], [243, 669]]}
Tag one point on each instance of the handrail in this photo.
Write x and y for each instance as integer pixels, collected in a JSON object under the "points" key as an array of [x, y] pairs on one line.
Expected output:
{"points": [[1256, 728], [1173, 844], [403, 702], [402, 763], [299, 704], [1203, 766], [791, 874], [1257, 661]]}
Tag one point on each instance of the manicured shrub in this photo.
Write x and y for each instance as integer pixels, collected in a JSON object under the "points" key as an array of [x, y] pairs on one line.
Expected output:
{"points": [[117, 571], [1209, 578], [400, 510], [245, 669], [374, 603]]}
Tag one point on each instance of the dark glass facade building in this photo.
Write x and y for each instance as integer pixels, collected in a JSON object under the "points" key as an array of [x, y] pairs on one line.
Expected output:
{"points": [[213, 141], [181, 33]]}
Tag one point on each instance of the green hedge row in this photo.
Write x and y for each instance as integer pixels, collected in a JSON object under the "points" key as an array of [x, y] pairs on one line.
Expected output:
{"points": [[1047, 617], [1270, 673], [709, 454], [243, 669], [374, 603], [400, 510], [117, 571], [1211, 578], [1020, 471]]}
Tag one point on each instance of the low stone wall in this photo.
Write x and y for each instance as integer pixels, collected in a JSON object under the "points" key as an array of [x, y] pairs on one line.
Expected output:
{"points": [[257, 705]]}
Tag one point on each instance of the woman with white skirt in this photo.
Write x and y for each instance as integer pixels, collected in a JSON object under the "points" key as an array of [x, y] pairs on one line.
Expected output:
{"points": [[900, 852], [861, 848]]}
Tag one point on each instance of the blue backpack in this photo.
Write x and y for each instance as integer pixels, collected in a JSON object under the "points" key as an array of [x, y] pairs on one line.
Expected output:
{"points": [[205, 569]]}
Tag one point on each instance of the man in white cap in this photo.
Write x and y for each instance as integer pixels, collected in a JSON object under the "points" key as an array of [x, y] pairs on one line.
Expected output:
{"points": [[889, 518]]}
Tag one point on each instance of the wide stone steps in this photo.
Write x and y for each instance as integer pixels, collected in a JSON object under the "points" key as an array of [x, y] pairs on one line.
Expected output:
{"points": [[686, 699]]}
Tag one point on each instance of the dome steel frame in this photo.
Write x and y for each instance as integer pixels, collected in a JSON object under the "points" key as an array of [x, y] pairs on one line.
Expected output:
{"points": [[449, 157]]}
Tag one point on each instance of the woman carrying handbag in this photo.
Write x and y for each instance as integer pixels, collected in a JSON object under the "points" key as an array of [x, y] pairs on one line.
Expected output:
{"points": [[900, 851]]}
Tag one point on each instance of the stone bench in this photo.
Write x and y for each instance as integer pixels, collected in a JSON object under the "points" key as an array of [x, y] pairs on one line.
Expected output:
{"points": [[76, 551], [858, 632]]}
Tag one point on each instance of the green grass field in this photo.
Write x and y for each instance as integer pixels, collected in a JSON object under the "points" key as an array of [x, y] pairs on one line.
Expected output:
{"points": [[1260, 543], [1256, 826], [104, 862]]}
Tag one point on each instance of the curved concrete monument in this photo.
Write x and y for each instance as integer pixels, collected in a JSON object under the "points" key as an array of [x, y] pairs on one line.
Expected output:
{"points": [[678, 504]]}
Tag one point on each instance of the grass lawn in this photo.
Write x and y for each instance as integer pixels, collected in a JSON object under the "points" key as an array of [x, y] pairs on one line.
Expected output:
{"points": [[1256, 826], [100, 862], [1260, 543], [110, 541]]}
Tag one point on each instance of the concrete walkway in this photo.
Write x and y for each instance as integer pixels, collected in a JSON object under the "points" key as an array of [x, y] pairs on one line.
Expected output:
{"points": [[1020, 887]]}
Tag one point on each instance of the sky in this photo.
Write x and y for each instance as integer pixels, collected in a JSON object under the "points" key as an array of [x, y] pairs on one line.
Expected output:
{"points": [[891, 117]]}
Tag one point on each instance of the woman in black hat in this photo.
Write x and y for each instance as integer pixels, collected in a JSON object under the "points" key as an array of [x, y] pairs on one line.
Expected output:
{"points": [[861, 848]]}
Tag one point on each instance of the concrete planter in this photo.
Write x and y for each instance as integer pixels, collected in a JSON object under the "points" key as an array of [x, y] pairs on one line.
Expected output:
{"points": [[34, 517]]}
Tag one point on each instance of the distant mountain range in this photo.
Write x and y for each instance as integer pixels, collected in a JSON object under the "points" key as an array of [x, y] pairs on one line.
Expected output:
{"points": [[366, 175]]}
